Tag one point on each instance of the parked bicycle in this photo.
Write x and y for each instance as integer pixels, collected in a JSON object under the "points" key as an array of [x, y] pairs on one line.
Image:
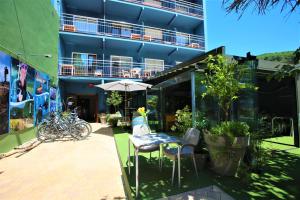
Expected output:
{"points": [[58, 125]]}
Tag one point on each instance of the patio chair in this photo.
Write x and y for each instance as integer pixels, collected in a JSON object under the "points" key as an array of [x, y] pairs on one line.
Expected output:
{"points": [[188, 142], [140, 127]]}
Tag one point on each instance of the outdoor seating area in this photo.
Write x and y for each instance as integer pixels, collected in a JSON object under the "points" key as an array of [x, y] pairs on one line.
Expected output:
{"points": [[277, 181]]}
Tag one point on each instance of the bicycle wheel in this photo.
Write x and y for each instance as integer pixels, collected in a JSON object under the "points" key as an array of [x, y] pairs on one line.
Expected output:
{"points": [[43, 132], [80, 130], [88, 124], [46, 132]]}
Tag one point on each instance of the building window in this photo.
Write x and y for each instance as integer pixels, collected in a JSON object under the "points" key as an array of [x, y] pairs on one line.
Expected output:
{"points": [[153, 34], [84, 63], [120, 65], [154, 65]]}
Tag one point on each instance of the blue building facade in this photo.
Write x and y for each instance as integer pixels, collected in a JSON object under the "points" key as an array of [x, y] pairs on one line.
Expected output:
{"points": [[108, 40]]}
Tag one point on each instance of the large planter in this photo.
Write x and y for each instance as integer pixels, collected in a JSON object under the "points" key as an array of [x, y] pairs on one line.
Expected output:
{"points": [[226, 155]]}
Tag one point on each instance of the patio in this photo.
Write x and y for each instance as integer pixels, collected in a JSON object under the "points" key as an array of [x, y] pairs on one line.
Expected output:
{"points": [[279, 179], [85, 169]]}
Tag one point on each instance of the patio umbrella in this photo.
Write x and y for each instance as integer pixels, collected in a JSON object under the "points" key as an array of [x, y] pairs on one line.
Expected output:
{"points": [[126, 86]]}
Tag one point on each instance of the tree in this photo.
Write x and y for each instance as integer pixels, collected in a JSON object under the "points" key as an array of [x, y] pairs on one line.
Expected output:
{"points": [[239, 6], [115, 99], [297, 56], [223, 80]]}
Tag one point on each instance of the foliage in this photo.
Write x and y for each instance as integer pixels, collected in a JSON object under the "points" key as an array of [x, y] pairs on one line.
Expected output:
{"points": [[239, 6], [284, 57], [115, 99], [256, 156], [201, 122], [297, 56], [183, 120], [223, 81], [231, 129], [288, 70], [113, 119], [142, 112], [152, 101]]}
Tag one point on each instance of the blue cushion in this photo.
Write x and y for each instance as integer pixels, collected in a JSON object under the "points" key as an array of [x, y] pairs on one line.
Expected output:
{"points": [[138, 121]]}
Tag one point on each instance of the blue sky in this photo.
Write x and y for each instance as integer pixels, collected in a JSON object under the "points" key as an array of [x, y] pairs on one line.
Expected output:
{"points": [[272, 32]]}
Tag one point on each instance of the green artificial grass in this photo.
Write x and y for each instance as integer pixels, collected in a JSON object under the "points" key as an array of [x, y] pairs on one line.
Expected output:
{"points": [[284, 143], [29, 30], [280, 179], [10, 140]]}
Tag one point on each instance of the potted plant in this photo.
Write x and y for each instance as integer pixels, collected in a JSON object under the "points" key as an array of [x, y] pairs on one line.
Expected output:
{"points": [[115, 99], [103, 118], [227, 141], [114, 118]]}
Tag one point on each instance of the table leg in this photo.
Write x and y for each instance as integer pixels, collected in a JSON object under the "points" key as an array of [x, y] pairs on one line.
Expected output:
{"points": [[128, 158], [137, 172]]}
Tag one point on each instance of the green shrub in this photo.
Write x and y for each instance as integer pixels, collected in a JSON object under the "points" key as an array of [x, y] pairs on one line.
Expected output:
{"points": [[231, 129], [183, 120], [115, 99]]}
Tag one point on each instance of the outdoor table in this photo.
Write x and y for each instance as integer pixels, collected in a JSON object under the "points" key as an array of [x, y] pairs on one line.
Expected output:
{"points": [[150, 139]]}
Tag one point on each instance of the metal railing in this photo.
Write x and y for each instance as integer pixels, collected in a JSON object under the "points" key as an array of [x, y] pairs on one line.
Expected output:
{"points": [[96, 26], [178, 6], [107, 68]]}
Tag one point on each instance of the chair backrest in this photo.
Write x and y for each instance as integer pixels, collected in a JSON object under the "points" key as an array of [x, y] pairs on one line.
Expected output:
{"points": [[191, 136], [140, 126], [139, 120]]}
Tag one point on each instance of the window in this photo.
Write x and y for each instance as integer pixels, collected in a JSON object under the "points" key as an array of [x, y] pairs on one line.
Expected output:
{"points": [[84, 63], [155, 34], [120, 65], [86, 24], [154, 65]]}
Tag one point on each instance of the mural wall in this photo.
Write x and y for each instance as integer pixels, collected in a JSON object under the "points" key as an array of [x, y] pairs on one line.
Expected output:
{"points": [[26, 97], [41, 97], [21, 96], [53, 106], [5, 64]]}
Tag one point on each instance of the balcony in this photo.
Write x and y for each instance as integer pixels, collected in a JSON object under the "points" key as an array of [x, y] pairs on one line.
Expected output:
{"points": [[107, 68], [178, 6], [128, 31]]}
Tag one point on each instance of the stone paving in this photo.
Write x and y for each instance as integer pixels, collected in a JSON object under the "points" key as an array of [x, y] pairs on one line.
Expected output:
{"points": [[207, 193], [87, 169]]}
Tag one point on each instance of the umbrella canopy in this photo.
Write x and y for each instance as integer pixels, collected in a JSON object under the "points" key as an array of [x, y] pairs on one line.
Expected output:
{"points": [[124, 85]]}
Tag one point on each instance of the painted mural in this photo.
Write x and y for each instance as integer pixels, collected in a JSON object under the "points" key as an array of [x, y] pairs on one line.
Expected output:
{"points": [[5, 64], [53, 107], [41, 97], [21, 96]]}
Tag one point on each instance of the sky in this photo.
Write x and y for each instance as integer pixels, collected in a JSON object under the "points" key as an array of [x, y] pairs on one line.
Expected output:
{"points": [[258, 34]]}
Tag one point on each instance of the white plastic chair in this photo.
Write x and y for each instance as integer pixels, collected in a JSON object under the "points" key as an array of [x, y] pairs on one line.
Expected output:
{"points": [[186, 148]]}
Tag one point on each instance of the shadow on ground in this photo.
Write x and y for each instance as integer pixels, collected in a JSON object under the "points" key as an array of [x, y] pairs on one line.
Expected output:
{"points": [[280, 179]]}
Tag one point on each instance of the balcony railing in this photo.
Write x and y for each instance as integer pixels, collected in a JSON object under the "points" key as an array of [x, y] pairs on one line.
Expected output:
{"points": [[178, 6], [95, 26], [108, 68]]}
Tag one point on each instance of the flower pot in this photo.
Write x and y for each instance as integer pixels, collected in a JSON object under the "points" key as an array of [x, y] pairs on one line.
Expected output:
{"points": [[226, 155], [103, 118]]}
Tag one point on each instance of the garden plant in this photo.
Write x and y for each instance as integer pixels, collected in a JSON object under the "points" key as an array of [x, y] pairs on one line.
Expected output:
{"points": [[227, 141]]}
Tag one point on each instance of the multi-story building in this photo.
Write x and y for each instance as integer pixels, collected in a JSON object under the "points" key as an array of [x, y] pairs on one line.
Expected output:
{"points": [[107, 40]]}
